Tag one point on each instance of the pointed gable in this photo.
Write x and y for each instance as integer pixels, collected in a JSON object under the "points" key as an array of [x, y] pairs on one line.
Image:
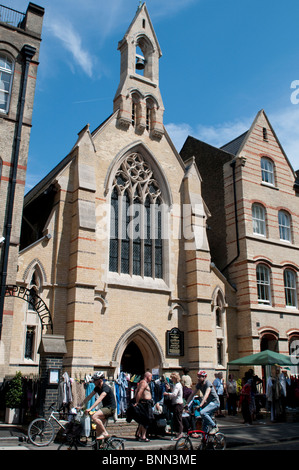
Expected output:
{"points": [[261, 142], [137, 23]]}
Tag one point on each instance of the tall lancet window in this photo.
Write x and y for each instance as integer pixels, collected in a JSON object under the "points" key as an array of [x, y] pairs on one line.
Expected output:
{"points": [[136, 224]]}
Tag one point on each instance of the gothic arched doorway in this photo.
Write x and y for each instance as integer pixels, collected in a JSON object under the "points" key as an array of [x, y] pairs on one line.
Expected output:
{"points": [[139, 348], [132, 360]]}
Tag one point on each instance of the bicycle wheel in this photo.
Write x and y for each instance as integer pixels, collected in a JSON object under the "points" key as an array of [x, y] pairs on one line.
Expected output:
{"points": [[184, 443], [219, 441], [41, 432], [115, 444]]}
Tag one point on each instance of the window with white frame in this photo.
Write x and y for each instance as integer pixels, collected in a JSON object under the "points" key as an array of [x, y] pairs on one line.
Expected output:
{"points": [[6, 75], [263, 284], [258, 219], [284, 222], [267, 167], [290, 288], [136, 220]]}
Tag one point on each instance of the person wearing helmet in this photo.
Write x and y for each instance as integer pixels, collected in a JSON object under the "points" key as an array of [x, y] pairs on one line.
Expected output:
{"points": [[106, 396], [209, 403]]}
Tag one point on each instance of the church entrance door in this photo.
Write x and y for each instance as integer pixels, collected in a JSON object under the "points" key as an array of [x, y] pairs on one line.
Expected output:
{"points": [[132, 360]]}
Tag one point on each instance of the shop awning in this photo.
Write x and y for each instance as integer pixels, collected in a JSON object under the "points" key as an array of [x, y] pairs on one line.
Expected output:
{"points": [[264, 358]]}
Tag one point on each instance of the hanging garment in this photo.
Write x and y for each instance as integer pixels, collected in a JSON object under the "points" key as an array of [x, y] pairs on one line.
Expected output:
{"points": [[64, 392], [89, 386], [122, 392]]}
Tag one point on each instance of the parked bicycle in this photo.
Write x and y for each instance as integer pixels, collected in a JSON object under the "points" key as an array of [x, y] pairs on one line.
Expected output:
{"points": [[205, 440], [41, 431]]}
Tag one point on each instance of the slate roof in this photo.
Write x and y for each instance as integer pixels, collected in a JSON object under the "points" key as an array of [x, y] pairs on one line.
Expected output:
{"points": [[234, 146]]}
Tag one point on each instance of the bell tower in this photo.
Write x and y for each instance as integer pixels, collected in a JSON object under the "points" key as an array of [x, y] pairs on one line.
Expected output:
{"points": [[138, 99]]}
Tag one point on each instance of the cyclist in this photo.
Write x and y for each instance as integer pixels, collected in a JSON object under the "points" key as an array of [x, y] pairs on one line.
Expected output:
{"points": [[106, 396], [209, 403]]}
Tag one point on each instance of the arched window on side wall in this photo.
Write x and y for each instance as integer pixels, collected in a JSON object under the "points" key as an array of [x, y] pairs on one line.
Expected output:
{"points": [[290, 287], [284, 222], [258, 219], [32, 321], [263, 284], [6, 76]]}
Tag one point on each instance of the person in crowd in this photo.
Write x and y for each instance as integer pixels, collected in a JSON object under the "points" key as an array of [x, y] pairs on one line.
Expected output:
{"points": [[221, 391], [176, 395], [231, 388], [254, 381], [186, 382], [143, 403], [245, 399]]}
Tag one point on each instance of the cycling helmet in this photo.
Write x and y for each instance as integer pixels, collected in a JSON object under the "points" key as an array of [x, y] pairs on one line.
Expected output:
{"points": [[202, 373], [97, 376]]}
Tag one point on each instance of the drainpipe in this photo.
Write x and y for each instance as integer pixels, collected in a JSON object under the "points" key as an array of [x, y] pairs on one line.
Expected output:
{"points": [[28, 52], [233, 165]]}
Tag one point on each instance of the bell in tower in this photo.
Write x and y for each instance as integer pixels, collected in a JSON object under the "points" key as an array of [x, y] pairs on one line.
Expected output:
{"points": [[140, 62]]}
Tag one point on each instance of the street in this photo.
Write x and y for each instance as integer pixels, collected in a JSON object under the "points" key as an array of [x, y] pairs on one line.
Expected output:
{"points": [[262, 435], [280, 446]]}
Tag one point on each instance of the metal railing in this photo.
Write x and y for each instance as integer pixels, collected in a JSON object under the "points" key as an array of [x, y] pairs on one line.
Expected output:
{"points": [[11, 17]]}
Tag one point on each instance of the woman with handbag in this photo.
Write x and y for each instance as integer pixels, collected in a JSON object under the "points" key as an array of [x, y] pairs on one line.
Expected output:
{"points": [[176, 396]]}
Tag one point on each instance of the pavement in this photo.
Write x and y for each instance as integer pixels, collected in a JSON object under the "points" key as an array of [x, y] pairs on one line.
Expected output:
{"points": [[238, 435]]}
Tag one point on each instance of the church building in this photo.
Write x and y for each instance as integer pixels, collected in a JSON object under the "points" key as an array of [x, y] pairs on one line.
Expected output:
{"points": [[114, 242]]}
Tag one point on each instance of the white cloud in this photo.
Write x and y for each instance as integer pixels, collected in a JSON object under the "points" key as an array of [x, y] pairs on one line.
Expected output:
{"points": [[285, 123], [66, 33], [217, 135]]}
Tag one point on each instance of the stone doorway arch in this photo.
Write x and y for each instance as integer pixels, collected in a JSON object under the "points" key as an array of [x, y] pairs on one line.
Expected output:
{"points": [[146, 342]]}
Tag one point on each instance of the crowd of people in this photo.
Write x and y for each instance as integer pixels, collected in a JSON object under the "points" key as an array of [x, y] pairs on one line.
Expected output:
{"points": [[187, 404]]}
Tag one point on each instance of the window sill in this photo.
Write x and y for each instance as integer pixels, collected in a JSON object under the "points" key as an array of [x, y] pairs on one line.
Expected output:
{"points": [[269, 185], [276, 310], [137, 282], [30, 362], [272, 241]]}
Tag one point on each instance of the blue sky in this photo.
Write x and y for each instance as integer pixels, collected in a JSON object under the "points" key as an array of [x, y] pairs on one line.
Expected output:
{"points": [[223, 61]]}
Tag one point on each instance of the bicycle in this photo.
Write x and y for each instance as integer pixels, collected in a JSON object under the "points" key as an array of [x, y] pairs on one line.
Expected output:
{"points": [[71, 434], [215, 441], [41, 431]]}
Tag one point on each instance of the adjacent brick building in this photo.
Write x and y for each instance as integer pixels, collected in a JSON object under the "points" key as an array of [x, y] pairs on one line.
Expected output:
{"points": [[251, 190], [20, 36]]}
